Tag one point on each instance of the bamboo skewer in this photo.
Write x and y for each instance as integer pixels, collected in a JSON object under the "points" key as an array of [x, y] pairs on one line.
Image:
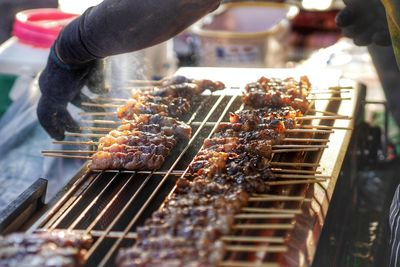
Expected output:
{"points": [[290, 148], [267, 198], [278, 151], [65, 156], [299, 146], [325, 127], [317, 92], [308, 131], [300, 176], [294, 171], [271, 210], [311, 140], [84, 114], [326, 112], [329, 117], [111, 99], [246, 264], [263, 226], [296, 182], [147, 82], [253, 239], [91, 143], [341, 87], [85, 135], [100, 105], [264, 216], [93, 151], [330, 99], [270, 249], [96, 129], [105, 122], [68, 151], [294, 164]]}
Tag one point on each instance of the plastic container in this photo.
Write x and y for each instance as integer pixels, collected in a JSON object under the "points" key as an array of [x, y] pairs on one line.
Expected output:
{"points": [[25, 54], [245, 34]]}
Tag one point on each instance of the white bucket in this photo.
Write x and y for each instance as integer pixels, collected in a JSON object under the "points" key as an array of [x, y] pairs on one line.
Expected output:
{"points": [[245, 34]]}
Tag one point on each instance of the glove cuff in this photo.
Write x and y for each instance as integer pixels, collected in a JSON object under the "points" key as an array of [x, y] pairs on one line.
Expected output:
{"points": [[70, 48]]}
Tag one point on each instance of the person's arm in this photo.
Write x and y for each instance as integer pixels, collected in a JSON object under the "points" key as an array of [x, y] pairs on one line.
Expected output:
{"points": [[113, 27]]}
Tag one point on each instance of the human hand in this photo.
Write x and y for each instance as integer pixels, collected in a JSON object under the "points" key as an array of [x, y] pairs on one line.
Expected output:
{"points": [[61, 84], [365, 22]]}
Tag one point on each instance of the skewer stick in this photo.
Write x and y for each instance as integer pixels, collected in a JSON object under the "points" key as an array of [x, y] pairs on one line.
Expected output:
{"points": [[325, 127], [300, 176], [328, 91], [295, 150], [341, 87], [338, 117], [96, 129], [325, 112], [103, 122], [66, 156], [93, 152], [330, 98], [264, 216], [84, 135], [308, 131], [253, 239], [294, 164], [305, 181], [299, 146], [271, 210], [311, 140], [270, 249], [111, 99], [277, 198], [146, 82], [84, 114], [263, 226], [86, 104], [68, 152], [246, 264], [274, 170], [76, 143]]}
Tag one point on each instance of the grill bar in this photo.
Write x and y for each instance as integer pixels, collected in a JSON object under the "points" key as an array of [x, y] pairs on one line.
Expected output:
{"points": [[110, 204], [120, 214], [113, 249]]}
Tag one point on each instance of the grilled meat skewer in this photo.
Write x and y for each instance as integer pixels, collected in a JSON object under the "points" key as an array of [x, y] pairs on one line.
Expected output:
{"points": [[41, 249]]}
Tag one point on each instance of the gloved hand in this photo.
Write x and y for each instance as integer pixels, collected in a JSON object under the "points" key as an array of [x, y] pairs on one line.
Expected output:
{"points": [[365, 22], [61, 84], [112, 27]]}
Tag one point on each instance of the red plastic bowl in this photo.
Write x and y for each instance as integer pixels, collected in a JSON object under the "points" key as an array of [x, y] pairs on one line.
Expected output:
{"points": [[40, 27]]}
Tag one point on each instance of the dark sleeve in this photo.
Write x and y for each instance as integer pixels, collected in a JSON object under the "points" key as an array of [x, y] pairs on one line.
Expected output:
{"points": [[121, 26]]}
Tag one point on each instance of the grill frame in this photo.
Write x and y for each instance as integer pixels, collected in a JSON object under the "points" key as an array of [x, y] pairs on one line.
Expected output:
{"points": [[80, 182]]}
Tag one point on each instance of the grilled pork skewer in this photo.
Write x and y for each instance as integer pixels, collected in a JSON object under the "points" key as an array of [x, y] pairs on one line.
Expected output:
{"points": [[232, 165], [55, 248]]}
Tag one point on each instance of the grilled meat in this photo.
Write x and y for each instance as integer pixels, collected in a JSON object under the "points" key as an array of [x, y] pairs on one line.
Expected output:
{"points": [[149, 104], [43, 249]]}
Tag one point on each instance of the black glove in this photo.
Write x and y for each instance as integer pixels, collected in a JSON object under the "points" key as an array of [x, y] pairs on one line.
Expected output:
{"points": [[61, 84], [365, 22], [112, 27]]}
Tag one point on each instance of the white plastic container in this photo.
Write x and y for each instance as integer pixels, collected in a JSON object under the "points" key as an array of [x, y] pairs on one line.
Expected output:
{"points": [[34, 32], [25, 54], [245, 34]]}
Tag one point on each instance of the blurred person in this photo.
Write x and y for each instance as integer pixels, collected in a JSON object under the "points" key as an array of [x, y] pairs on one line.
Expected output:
{"points": [[376, 24], [110, 28]]}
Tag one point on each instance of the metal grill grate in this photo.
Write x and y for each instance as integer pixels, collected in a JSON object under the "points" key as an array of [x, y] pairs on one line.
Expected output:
{"points": [[111, 204]]}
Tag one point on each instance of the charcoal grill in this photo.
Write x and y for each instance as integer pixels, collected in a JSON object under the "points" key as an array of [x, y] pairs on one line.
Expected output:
{"points": [[111, 204]]}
